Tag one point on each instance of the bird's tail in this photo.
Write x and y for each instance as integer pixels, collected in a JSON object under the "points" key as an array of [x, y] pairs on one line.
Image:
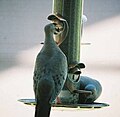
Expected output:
{"points": [[42, 110]]}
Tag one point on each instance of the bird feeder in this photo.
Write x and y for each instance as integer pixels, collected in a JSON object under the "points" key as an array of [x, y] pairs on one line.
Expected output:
{"points": [[71, 11]]}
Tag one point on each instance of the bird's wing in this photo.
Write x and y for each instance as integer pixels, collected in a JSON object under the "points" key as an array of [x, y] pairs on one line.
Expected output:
{"points": [[38, 74], [59, 81], [38, 70], [59, 74], [36, 77]]}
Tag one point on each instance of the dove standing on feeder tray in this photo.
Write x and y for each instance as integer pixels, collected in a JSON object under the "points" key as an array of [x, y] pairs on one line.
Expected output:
{"points": [[50, 72]]}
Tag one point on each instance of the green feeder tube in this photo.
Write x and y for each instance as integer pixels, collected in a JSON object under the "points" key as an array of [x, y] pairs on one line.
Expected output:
{"points": [[71, 10]]}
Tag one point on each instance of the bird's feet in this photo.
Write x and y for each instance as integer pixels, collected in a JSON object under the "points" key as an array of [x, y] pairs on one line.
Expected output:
{"points": [[58, 100]]}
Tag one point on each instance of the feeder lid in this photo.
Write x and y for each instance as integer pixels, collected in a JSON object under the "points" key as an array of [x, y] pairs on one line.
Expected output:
{"points": [[56, 16]]}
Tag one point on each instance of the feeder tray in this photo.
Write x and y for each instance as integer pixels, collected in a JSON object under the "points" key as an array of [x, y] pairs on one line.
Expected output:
{"points": [[86, 106]]}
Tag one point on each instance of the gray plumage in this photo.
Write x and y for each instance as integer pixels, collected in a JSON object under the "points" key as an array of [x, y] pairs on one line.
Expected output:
{"points": [[49, 74]]}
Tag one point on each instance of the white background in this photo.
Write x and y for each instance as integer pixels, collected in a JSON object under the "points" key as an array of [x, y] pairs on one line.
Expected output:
{"points": [[21, 31]]}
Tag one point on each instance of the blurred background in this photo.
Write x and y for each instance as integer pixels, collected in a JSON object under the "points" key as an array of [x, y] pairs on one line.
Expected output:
{"points": [[21, 31]]}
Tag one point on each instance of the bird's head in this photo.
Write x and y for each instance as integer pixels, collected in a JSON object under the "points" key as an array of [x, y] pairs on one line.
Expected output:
{"points": [[53, 28], [58, 20]]}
